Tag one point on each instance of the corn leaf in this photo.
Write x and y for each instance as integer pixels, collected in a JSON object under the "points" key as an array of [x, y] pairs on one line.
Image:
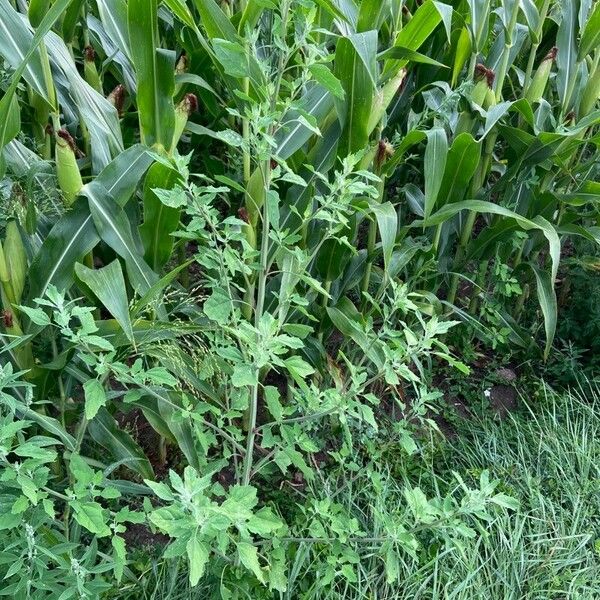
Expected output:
{"points": [[108, 285], [154, 68]]}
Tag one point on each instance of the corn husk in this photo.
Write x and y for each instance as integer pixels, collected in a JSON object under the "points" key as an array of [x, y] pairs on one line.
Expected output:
{"points": [[537, 86], [67, 171], [16, 259]]}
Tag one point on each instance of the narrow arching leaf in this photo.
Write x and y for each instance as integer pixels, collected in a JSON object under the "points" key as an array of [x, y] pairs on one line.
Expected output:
{"points": [[113, 14], [413, 35], [113, 226], [98, 114], [6, 103], [482, 206], [399, 52], [215, 21], [15, 40], [160, 220], [105, 431], [73, 236], [567, 53], [547, 301], [108, 285]]}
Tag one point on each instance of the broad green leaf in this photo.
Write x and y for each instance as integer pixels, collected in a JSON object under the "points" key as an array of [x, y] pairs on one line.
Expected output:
{"points": [[15, 40], [294, 131], [73, 237], [249, 558], [436, 153], [160, 220], [566, 59], [197, 553], [355, 65], [95, 398], [327, 79], [108, 285], [590, 38], [218, 306], [461, 55], [154, 68], [252, 13], [480, 15], [399, 52], [90, 515], [414, 34], [98, 114], [348, 321], [370, 14], [113, 14], [387, 224], [461, 164], [538, 223], [215, 21], [70, 20], [547, 301], [113, 226], [481, 206], [169, 407]]}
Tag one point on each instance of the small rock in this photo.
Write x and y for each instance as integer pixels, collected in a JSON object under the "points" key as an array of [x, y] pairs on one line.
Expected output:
{"points": [[503, 399], [507, 375]]}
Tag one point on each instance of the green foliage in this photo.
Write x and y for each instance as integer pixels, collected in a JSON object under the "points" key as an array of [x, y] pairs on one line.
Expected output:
{"points": [[257, 230]]}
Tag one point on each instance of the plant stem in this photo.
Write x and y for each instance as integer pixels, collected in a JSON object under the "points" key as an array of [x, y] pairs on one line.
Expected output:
{"points": [[260, 302], [372, 240]]}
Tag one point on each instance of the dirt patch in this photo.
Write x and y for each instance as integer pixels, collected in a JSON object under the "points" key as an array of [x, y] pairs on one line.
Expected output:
{"points": [[138, 535], [503, 400], [136, 424]]}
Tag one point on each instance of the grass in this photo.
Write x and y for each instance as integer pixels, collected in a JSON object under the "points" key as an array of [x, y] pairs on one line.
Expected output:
{"points": [[547, 458]]}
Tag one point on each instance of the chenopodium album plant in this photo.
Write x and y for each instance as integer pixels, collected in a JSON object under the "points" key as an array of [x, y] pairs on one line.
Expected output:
{"points": [[317, 261]]}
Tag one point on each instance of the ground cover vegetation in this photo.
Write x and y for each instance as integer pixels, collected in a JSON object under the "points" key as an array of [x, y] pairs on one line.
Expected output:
{"points": [[272, 273]]}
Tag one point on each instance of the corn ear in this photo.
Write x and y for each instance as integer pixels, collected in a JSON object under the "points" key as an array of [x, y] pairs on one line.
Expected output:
{"points": [[89, 69], [67, 171], [117, 98], [184, 110], [490, 99], [591, 94], [30, 217], [484, 78], [16, 259], [540, 79], [255, 196], [465, 123]]}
